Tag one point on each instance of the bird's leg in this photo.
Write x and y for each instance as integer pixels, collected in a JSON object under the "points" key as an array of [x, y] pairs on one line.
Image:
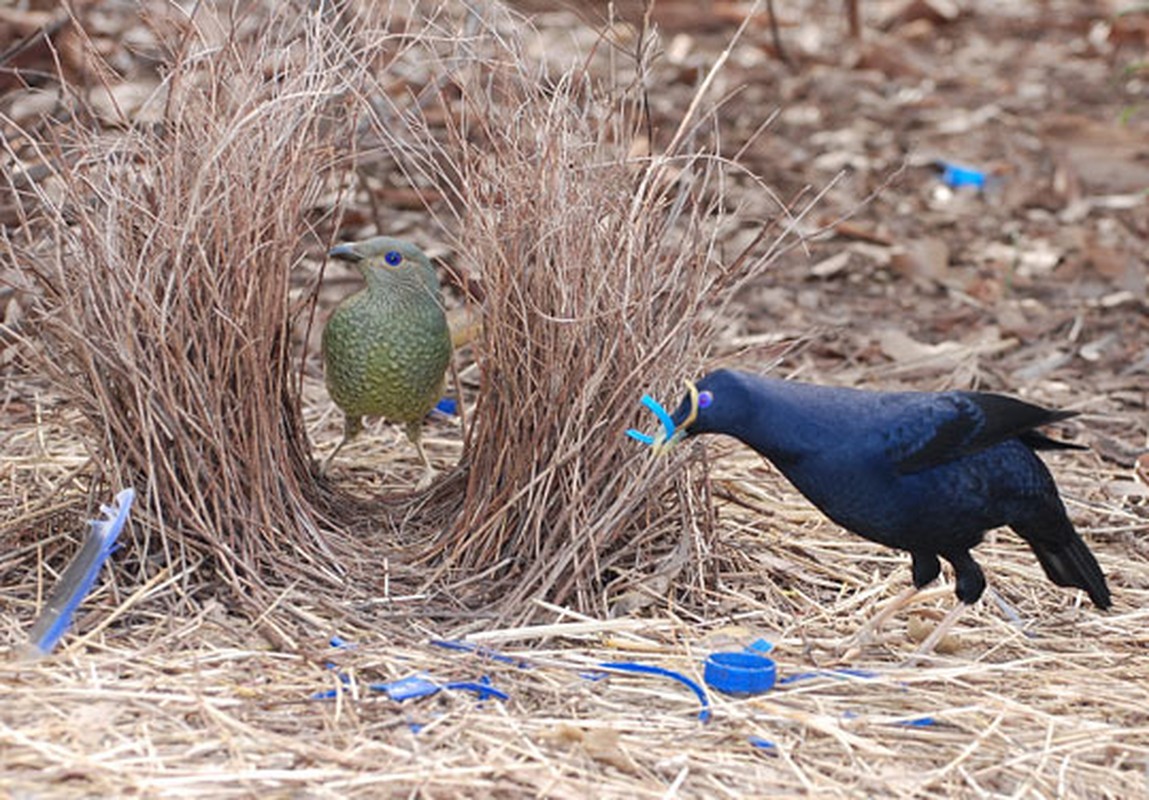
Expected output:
{"points": [[415, 434], [875, 623], [969, 583], [352, 425], [927, 646], [925, 569]]}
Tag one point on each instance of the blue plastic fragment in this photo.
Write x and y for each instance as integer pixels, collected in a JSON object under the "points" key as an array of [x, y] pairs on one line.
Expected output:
{"points": [[763, 744], [663, 417], [957, 176], [761, 646], [917, 722], [740, 673], [648, 669], [78, 577], [409, 688], [329, 694], [448, 405], [594, 676], [482, 688]]}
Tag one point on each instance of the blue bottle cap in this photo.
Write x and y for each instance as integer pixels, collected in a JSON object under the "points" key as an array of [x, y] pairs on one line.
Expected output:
{"points": [[740, 673]]}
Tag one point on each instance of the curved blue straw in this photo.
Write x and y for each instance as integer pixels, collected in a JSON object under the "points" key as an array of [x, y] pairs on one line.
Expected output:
{"points": [[663, 417]]}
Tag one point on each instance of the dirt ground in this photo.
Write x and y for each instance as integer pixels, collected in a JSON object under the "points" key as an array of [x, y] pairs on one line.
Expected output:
{"points": [[1034, 282]]}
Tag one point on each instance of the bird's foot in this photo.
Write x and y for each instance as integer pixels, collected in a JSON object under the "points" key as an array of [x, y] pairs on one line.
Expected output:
{"points": [[428, 478], [867, 634], [930, 644], [325, 467]]}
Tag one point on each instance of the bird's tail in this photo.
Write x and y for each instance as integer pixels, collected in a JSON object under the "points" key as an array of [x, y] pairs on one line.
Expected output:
{"points": [[1070, 563]]}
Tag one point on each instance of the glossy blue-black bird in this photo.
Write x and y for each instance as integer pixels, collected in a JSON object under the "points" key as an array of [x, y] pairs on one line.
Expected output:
{"points": [[924, 472]]}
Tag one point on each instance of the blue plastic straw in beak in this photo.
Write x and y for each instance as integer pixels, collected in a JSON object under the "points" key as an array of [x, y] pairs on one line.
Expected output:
{"points": [[663, 417]]}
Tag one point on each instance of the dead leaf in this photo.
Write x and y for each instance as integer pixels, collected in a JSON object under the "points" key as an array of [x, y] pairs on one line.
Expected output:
{"points": [[864, 232], [935, 12], [897, 345], [922, 259], [829, 267], [601, 744], [1141, 468]]}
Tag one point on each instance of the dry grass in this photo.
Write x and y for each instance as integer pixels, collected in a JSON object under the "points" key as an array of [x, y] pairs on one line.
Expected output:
{"points": [[201, 706], [601, 274], [157, 260]]}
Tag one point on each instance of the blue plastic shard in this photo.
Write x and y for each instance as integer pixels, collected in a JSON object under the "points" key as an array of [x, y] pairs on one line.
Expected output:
{"points": [[482, 688], [956, 176], [77, 579], [409, 688], [763, 744], [420, 685]]}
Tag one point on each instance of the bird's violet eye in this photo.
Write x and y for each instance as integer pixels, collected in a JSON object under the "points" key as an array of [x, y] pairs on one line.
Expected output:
{"points": [[393, 258], [705, 399]]}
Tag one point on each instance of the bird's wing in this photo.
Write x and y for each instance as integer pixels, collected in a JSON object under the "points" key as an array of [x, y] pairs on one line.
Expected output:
{"points": [[947, 426]]}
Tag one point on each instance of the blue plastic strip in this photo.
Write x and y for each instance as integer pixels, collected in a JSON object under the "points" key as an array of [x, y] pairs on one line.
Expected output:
{"points": [[647, 669]]}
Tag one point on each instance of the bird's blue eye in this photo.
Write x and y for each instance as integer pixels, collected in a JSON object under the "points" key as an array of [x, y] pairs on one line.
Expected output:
{"points": [[393, 257], [705, 399]]}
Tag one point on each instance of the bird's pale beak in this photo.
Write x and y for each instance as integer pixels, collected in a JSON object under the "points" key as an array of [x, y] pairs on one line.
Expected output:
{"points": [[663, 444], [345, 252], [671, 433]]}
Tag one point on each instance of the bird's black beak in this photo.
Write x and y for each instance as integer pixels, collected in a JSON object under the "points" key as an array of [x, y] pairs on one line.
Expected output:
{"points": [[345, 252]]}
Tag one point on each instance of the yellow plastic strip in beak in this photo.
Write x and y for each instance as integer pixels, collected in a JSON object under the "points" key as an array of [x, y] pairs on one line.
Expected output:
{"points": [[693, 415]]}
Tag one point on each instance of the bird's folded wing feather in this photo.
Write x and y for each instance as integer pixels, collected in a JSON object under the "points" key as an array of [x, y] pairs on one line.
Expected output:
{"points": [[957, 424]]}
